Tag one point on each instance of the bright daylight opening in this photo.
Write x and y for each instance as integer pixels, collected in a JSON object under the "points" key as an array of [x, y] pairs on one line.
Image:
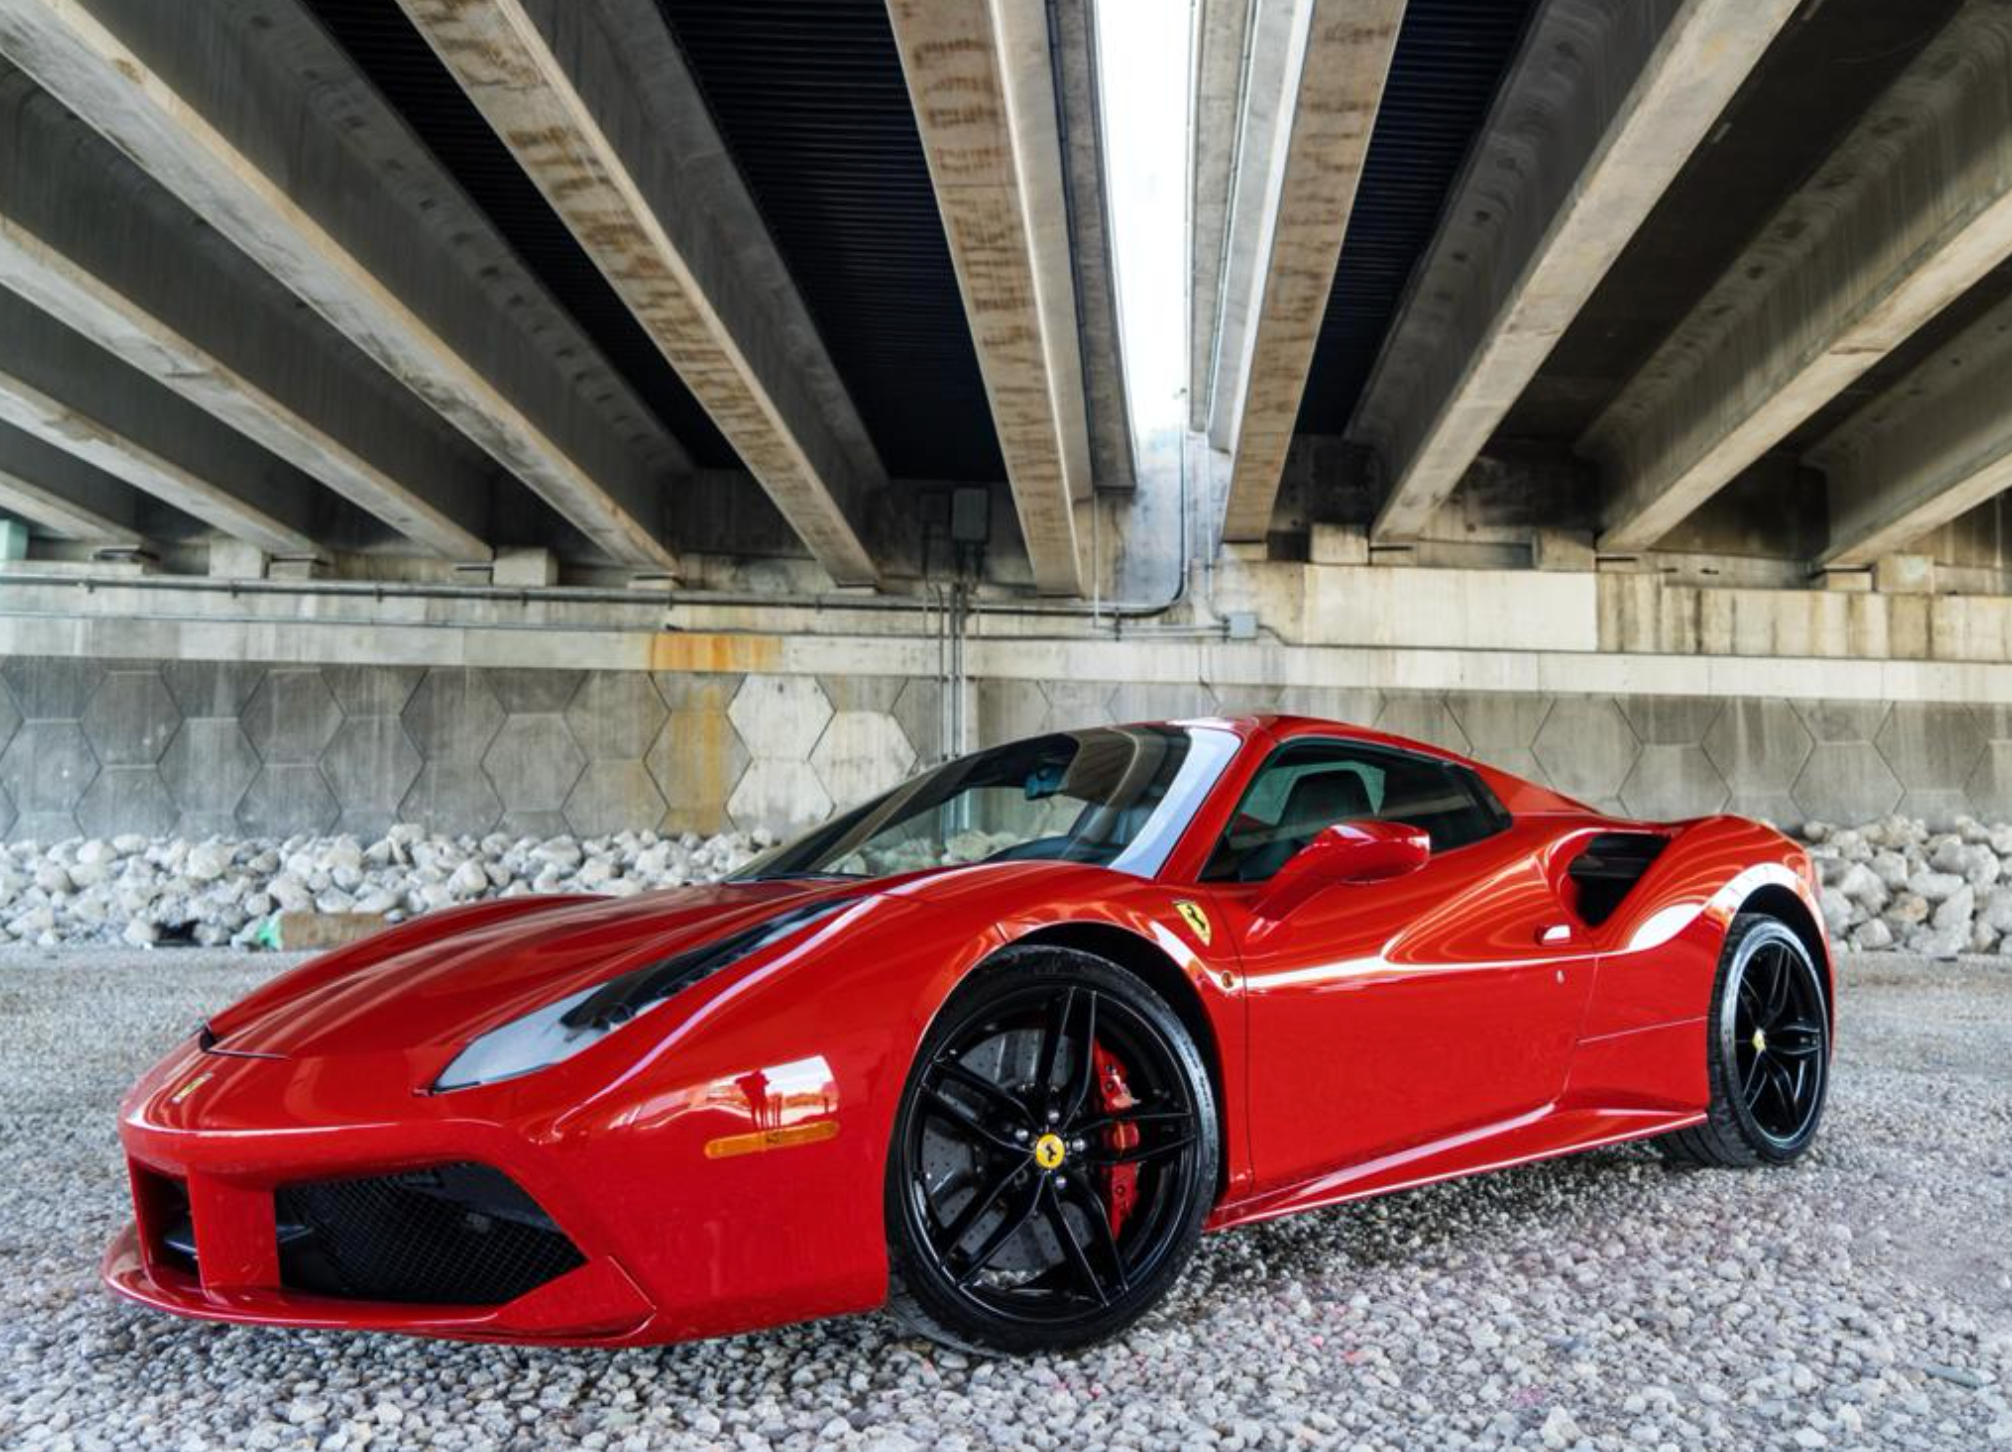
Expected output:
{"points": [[1142, 61]]}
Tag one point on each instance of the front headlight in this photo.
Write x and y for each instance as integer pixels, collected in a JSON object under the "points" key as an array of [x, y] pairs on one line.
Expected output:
{"points": [[549, 1035]]}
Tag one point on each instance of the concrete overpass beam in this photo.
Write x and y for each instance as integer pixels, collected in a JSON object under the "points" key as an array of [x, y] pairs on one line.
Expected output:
{"points": [[354, 219], [64, 495], [1109, 417], [981, 78], [1935, 445], [150, 291], [602, 113], [1913, 208], [1598, 113], [77, 398], [1259, 125], [1339, 55], [1220, 31]]}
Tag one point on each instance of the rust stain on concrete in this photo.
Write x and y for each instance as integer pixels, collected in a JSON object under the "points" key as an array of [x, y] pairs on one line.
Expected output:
{"points": [[686, 651]]}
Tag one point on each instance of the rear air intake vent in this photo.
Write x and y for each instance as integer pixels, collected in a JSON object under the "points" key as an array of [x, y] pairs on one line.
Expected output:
{"points": [[458, 1234], [1607, 870]]}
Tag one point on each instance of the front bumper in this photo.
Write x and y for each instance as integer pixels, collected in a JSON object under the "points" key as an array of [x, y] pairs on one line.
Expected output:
{"points": [[670, 1245], [225, 1186], [595, 1305]]}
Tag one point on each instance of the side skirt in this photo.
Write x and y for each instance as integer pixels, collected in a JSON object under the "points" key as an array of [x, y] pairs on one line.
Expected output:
{"points": [[1541, 1135]]}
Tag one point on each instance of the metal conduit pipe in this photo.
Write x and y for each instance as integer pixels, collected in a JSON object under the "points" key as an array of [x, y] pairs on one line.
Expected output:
{"points": [[403, 590]]}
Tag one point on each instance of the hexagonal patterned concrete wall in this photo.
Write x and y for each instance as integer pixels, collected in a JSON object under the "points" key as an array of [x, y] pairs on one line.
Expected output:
{"points": [[200, 748]]}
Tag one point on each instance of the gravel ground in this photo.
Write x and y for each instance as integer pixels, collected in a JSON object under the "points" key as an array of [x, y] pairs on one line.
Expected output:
{"points": [[1862, 1299]]}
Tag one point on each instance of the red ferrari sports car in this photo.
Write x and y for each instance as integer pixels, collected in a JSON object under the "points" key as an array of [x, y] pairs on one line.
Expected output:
{"points": [[991, 1050]]}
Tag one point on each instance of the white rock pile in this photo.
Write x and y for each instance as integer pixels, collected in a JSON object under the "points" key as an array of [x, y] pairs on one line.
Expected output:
{"points": [[1890, 884], [1896, 884], [143, 890]]}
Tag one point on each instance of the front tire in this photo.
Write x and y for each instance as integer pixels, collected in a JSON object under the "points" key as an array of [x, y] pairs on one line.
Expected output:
{"points": [[1767, 1049], [1054, 1157]]}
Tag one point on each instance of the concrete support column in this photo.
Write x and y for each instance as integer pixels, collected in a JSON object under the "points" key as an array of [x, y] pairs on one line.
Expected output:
{"points": [[232, 559], [1904, 575], [524, 568]]}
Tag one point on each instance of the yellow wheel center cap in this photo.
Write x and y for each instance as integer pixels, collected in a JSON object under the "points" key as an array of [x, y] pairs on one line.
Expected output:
{"points": [[1760, 1041], [1049, 1151]]}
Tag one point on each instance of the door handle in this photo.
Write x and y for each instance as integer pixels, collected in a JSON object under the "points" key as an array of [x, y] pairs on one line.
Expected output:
{"points": [[1555, 933]]}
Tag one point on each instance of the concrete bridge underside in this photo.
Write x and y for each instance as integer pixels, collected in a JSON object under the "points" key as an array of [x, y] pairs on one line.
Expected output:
{"points": [[450, 409]]}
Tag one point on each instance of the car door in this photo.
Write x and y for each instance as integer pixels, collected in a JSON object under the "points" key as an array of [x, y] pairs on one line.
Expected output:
{"points": [[1392, 1015]]}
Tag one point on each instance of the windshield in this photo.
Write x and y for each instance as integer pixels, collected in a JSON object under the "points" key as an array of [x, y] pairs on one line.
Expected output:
{"points": [[1117, 797]]}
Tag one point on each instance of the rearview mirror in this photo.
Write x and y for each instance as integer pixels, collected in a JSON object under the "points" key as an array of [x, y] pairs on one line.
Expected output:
{"points": [[1365, 851]]}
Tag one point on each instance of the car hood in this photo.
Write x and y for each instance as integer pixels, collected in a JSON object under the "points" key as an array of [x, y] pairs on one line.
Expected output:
{"points": [[444, 978]]}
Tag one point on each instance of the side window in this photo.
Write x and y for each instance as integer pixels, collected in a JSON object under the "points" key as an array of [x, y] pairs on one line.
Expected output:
{"points": [[1306, 788]]}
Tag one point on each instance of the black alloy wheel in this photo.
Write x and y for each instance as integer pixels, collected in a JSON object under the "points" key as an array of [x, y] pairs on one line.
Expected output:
{"points": [[1768, 1051], [1054, 1157], [1778, 1040]]}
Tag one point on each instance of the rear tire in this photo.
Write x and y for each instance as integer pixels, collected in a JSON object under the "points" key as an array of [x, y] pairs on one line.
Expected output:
{"points": [[1054, 1157], [1767, 1050]]}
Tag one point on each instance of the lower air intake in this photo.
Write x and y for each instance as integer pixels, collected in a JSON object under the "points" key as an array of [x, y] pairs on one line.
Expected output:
{"points": [[461, 1234]]}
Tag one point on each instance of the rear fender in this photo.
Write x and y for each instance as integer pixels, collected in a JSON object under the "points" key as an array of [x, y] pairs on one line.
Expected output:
{"points": [[1659, 952]]}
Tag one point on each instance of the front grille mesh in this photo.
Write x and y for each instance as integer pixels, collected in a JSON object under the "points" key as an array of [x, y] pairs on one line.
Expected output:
{"points": [[460, 1234]]}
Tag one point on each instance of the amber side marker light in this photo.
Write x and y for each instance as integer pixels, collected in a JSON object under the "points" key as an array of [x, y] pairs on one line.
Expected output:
{"points": [[764, 1140]]}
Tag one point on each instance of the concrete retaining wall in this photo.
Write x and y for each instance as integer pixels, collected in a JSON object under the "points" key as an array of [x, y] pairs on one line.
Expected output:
{"points": [[100, 747]]}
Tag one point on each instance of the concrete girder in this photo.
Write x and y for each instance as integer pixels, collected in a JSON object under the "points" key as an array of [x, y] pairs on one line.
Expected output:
{"points": [[58, 182], [47, 373], [28, 501], [54, 422], [1259, 124], [1912, 209], [1599, 111], [304, 227], [64, 495], [1934, 445], [119, 325], [1340, 54], [1110, 419], [604, 116], [1220, 30], [981, 78]]}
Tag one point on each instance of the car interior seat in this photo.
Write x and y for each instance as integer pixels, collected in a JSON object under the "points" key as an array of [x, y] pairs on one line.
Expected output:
{"points": [[1317, 800]]}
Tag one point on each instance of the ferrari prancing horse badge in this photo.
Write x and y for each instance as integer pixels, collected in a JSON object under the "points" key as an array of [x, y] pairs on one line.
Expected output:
{"points": [[1194, 917]]}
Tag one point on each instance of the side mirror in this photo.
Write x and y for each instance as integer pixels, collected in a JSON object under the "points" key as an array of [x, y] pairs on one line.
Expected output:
{"points": [[1364, 851]]}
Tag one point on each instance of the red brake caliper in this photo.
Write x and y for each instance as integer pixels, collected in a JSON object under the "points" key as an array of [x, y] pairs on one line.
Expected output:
{"points": [[1115, 1099]]}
